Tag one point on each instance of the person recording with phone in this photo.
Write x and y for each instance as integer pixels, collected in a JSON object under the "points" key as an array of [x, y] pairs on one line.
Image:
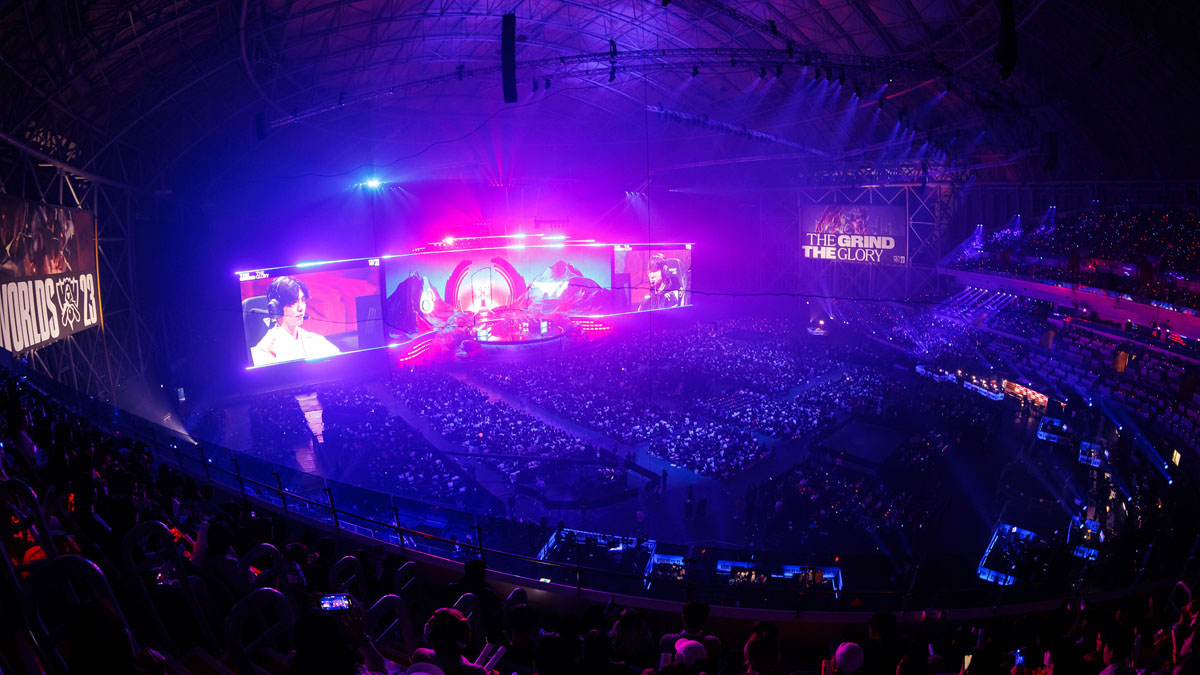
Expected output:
{"points": [[287, 340]]}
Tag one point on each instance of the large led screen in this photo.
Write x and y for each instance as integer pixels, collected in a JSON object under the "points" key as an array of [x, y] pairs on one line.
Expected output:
{"points": [[48, 285], [656, 277], [862, 234], [428, 290], [293, 314]]}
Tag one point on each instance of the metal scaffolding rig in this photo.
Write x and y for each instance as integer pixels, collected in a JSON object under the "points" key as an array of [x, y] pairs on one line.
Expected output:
{"points": [[927, 209], [103, 361]]}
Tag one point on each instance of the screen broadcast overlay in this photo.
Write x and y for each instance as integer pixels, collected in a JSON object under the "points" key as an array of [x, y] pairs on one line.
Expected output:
{"points": [[870, 235], [654, 277], [48, 286], [311, 312], [426, 291]]}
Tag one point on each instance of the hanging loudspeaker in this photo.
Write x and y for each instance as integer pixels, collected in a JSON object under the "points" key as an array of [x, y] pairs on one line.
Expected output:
{"points": [[508, 57]]}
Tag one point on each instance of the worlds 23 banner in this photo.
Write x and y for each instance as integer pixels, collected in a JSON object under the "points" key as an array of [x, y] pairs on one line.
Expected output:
{"points": [[48, 287]]}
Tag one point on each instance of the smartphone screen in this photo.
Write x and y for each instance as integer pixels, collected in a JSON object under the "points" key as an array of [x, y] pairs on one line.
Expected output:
{"points": [[334, 603]]}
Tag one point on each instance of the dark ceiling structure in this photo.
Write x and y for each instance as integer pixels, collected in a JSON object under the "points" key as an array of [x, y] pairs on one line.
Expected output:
{"points": [[1096, 90]]}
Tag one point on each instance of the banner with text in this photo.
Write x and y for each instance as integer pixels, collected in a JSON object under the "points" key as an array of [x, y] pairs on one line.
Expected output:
{"points": [[854, 233], [48, 286]]}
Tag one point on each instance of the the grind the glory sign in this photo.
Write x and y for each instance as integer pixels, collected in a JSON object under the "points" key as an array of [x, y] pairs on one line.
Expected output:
{"points": [[869, 234], [852, 247], [48, 285]]}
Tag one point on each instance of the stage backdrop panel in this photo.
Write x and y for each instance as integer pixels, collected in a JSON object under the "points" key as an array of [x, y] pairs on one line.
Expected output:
{"points": [[48, 286], [427, 290], [342, 311], [854, 233]]}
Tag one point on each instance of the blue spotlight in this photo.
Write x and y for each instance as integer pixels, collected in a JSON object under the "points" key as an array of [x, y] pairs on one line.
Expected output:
{"points": [[373, 183]]}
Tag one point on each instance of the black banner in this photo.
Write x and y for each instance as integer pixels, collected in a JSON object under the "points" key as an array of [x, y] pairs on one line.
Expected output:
{"points": [[48, 286]]}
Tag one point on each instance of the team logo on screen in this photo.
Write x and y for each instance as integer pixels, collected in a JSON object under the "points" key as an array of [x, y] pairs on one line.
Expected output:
{"points": [[68, 299]]}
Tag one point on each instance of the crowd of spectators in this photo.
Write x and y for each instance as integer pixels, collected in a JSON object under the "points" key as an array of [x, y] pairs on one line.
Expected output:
{"points": [[342, 404], [388, 455], [1158, 287], [1169, 237], [759, 355], [96, 488], [819, 496], [627, 416], [1025, 319], [376, 451], [634, 390], [859, 389], [1147, 254], [490, 430], [1156, 384], [915, 330], [181, 602], [711, 449], [608, 390], [278, 427]]}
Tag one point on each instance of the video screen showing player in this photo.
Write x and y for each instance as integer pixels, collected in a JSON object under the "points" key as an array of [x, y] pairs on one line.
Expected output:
{"points": [[658, 278], [290, 315]]}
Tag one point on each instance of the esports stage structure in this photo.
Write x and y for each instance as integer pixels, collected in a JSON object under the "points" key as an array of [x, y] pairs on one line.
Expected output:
{"points": [[471, 296]]}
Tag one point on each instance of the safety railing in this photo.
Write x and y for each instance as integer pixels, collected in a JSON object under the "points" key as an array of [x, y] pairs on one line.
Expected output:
{"points": [[512, 548]]}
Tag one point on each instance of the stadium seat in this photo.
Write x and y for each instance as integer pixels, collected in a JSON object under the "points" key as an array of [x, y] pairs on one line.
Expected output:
{"points": [[265, 576], [149, 551], [407, 584], [259, 629], [518, 596], [471, 608], [389, 625], [347, 576], [21, 499], [54, 592]]}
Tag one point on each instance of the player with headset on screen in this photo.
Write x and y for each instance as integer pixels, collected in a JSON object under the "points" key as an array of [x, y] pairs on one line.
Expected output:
{"points": [[666, 287], [287, 301]]}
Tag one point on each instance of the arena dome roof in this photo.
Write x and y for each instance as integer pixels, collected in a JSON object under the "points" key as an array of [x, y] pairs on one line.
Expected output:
{"points": [[1095, 91]]}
